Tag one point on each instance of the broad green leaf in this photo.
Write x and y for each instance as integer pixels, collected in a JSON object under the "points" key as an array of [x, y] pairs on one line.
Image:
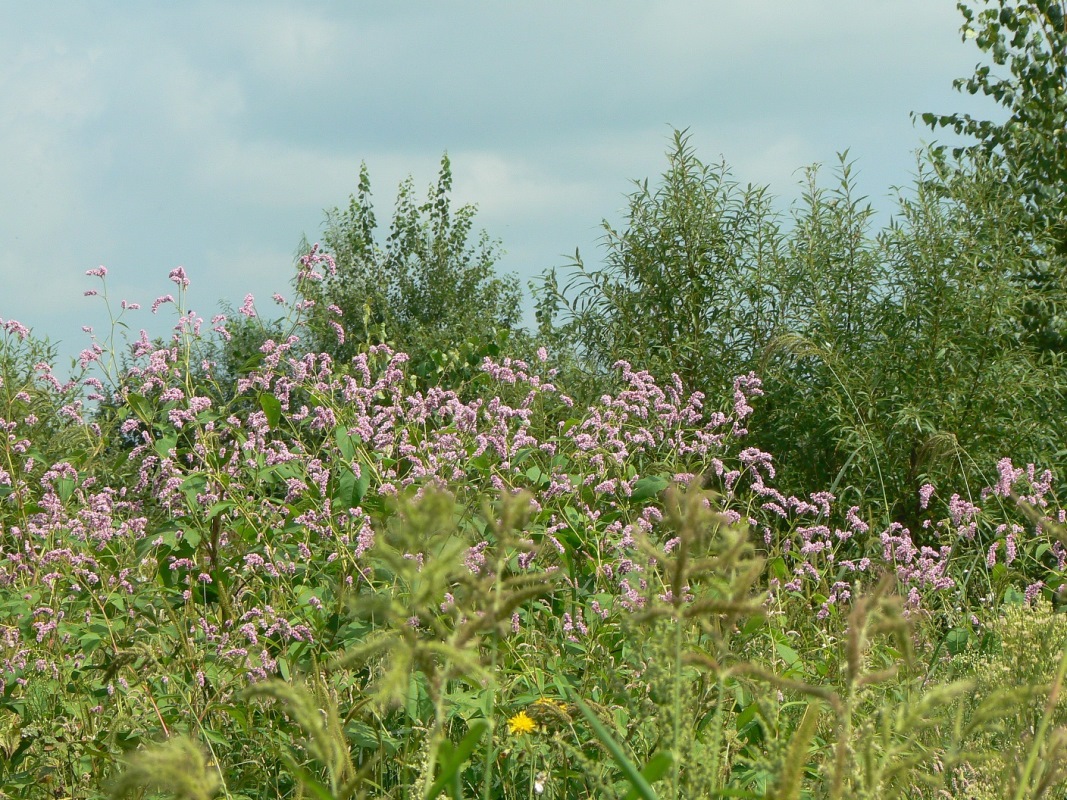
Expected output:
{"points": [[141, 407], [165, 444], [272, 407], [788, 654], [350, 490], [345, 443], [648, 487], [956, 640], [218, 508], [64, 488], [536, 476], [362, 483]]}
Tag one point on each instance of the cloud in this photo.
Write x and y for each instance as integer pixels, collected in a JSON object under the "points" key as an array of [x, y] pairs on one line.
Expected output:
{"points": [[213, 135], [511, 187], [47, 97], [289, 47]]}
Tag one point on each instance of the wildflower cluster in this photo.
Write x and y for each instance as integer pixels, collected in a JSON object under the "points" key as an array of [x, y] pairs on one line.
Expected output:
{"points": [[166, 558]]}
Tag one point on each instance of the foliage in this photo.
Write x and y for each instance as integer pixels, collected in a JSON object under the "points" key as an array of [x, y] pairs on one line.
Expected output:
{"points": [[408, 292], [1030, 39], [696, 264], [336, 585], [1019, 658], [292, 560], [849, 328]]}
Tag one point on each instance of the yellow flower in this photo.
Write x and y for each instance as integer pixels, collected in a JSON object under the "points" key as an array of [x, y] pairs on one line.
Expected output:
{"points": [[521, 724]]}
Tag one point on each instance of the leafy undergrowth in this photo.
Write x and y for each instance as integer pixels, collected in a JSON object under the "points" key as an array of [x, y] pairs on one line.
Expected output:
{"points": [[320, 581]]}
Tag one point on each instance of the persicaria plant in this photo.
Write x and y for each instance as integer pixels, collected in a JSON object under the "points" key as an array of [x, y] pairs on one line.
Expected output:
{"points": [[332, 576]]}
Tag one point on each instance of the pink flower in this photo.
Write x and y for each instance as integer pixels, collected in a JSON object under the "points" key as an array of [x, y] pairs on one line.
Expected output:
{"points": [[179, 277], [167, 298]]}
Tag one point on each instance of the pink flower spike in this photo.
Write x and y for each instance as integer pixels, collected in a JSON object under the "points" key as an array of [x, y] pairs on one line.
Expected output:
{"points": [[179, 277], [160, 301], [99, 272], [15, 327]]}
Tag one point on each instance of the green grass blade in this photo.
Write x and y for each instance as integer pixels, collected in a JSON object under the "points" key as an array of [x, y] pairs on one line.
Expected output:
{"points": [[453, 760], [309, 782], [655, 769], [638, 781]]}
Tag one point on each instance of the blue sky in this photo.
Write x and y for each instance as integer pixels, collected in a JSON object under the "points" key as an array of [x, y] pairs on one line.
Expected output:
{"points": [[214, 134]]}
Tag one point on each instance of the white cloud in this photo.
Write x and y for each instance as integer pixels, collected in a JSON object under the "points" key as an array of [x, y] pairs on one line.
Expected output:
{"points": [[288, 46], [508, 186], [214, 134], [47, 96], [264, 174]]}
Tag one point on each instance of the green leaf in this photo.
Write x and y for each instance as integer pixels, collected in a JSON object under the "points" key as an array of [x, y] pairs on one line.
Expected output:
{"points": [[362, 483], [956, 640], [88, 642], [140, 406], [638, 781], [307, 780], [788, 654], [218, 508], [64, 488], [655, 769], [648, 487], [192, 536], [753, 624], [345, 443], [165, 444], [1013, 597], [452, 758], [537, 477], [746, 716], [272, 407], [350, 490]]}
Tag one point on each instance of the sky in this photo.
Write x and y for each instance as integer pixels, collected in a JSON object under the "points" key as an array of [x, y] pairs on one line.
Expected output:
{"points": [[213, 135]]}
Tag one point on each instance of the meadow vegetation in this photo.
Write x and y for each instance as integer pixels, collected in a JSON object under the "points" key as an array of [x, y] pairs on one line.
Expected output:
{"points": [[765, 508]]}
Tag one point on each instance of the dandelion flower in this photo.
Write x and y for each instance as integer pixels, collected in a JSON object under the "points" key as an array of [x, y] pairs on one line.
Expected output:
{"points": [[521, 724]]}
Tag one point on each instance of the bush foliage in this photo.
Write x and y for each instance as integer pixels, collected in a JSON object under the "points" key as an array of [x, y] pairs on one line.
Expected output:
{"points": [[886, 355]]}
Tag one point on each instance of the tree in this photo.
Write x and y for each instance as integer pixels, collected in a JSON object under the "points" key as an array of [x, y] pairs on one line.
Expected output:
{"points": [[885, 355], [691, 267], [430, 289], [1030, 146]]}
